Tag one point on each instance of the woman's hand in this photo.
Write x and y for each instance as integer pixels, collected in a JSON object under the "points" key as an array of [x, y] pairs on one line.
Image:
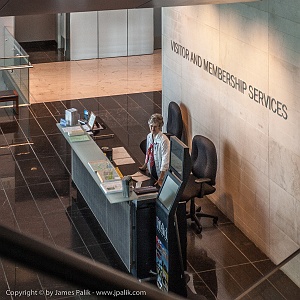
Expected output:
{"points": [[161, 178], [143, 167], [159, 182]]}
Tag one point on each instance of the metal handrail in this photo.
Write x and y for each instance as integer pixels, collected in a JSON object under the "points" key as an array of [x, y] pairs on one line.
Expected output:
{"points": [[16, 67], [15, 56], [71, 267]]}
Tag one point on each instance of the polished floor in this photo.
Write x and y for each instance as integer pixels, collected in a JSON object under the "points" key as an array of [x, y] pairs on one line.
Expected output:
{"points": [[36, 198], [68, 80]]}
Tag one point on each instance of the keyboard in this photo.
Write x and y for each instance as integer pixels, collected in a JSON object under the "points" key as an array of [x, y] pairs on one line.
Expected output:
{"points": [[145, 190]]}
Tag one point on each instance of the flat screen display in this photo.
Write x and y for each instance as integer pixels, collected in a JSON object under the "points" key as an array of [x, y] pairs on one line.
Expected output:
{"points": [[168, 192], [92, 120]]}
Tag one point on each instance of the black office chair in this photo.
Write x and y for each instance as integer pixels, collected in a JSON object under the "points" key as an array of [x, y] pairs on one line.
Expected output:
{"points": [[202, 179], [174, 124], [143, 146]]}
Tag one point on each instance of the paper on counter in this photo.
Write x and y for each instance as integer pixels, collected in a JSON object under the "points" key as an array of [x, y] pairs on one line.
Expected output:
{"points": [[123, 161], [71, 128], [112, 186], [139, 177], [79, 138], [119, 152], [120, 156]]}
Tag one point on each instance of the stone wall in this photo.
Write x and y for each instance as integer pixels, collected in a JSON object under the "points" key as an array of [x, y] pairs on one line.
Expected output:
{"points": [[235, 71]]}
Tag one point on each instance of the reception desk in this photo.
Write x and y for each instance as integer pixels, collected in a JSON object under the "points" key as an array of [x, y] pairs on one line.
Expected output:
{"points": [[129, 223]]}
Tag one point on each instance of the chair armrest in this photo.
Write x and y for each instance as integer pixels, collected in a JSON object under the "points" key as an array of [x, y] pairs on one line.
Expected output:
{"points": [[202, 180]]}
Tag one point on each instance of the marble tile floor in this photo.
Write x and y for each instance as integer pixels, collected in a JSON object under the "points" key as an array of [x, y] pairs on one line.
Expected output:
{"points": [[36, 197], [55, 79], [43, 51]]}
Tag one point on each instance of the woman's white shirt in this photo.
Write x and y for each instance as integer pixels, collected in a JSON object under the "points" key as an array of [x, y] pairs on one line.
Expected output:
{"points": [[161, 150]]}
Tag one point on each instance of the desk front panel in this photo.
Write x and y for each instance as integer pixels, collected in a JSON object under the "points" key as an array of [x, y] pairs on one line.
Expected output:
{"points": [[115, 219]]}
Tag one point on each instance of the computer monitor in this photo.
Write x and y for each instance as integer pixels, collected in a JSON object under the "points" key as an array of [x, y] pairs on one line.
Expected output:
{"points": [[179, 156], [168, 192], [91, 120]]}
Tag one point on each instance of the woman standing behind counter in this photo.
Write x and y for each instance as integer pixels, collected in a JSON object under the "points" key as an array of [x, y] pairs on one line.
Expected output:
{"points": [[158, 150]]}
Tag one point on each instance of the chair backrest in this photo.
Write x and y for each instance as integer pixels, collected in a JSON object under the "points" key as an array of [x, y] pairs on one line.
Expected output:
{"points": [[204, 158], [143, 145], [174, 123]]}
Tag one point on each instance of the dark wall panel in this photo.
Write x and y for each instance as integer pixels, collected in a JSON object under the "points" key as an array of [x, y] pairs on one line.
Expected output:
{"points": [[32, 7]]}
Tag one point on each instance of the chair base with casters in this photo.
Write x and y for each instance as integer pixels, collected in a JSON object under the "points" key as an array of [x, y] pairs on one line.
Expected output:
{"points": [[197, 187], [195, 215]]}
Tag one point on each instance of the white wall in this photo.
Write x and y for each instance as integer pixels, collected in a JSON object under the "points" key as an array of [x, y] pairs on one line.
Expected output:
{"points": [[258, 184], [111, 33], [83, 35], [9, 23]]}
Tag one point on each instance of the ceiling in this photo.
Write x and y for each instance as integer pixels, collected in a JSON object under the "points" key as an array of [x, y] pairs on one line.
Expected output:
{"points": [[32, 7]]}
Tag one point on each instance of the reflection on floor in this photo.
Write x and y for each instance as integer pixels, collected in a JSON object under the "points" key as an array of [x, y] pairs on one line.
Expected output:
{"points": [[36, 198], [67, 80], [43, 52]]}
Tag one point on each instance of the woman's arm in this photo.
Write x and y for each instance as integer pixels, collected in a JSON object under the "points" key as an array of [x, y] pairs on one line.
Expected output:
{"points": [[165, 155]]}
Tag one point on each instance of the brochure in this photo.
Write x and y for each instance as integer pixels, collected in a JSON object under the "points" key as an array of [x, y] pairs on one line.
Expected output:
{"points": [[79, 138], [110, 187], [104, 169]]}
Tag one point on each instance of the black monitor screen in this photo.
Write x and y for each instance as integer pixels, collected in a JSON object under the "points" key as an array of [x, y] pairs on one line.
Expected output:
{"points": [[168, 192], [92, 120]]}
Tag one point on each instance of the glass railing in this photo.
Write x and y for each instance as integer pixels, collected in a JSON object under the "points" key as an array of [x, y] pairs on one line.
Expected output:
{"points": [[14, 67], [14, 56], [274, 284]]}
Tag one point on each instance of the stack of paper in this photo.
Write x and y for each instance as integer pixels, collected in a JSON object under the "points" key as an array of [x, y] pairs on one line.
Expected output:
{"points": [[73, 130], [139, 177], [121, 156]]}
